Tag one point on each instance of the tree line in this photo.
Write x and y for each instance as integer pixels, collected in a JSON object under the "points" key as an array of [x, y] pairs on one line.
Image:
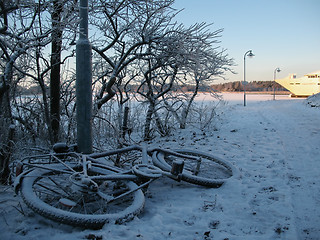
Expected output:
{"points": [[134, 43], [254, 86]]}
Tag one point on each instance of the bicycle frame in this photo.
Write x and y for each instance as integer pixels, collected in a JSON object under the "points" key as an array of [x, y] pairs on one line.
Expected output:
{"points": [[94, 159]]}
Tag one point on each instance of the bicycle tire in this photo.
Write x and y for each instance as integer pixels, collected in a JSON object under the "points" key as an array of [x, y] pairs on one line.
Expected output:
{"points": [[213, 172], [30, 193]]}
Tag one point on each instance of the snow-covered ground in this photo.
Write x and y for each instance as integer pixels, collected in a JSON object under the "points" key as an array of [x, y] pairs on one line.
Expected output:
{"points": [[274, 144]]}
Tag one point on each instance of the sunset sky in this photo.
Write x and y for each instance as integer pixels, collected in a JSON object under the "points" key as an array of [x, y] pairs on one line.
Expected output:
{"points": [[281, 33]]}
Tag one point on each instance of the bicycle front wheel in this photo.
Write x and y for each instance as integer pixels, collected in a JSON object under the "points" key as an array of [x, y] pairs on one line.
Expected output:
{"points": [[56, 194], [207, 170]]}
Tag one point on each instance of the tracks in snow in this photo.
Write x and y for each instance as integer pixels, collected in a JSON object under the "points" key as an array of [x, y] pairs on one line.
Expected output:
{"points": [[299, 132]]}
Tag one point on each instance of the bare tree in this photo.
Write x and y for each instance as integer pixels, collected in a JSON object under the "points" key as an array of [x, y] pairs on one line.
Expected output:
{"points": [[206, 69], [63, 18], [202, 62], [158, 81], [17, 36], [185, 55], [127, 28], [25, 34], [144, 34]]}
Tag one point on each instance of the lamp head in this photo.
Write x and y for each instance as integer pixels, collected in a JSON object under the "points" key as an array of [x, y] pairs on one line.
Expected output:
{"points": [[278, 70], [250, 54]]}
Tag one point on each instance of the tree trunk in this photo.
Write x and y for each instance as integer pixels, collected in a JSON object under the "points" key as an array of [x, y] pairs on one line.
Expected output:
{"points": [[186, 110], [147, 127], [6, 137], [6, 123], [147, 124], [159, 124], [124, 129], [55, 69], [183, 121], [5, 156]]}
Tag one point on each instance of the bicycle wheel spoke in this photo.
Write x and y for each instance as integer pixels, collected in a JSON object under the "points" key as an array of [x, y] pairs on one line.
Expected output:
{"points": [[200, 168], [49, 189], [84, 206], [60, 186], [99, 206], [60, 189]]}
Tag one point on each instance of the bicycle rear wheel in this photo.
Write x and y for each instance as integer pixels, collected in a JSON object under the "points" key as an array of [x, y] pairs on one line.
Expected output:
{"points": [[55, 194], [208, 171]]}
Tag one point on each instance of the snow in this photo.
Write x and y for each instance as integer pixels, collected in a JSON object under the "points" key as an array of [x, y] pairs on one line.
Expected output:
{"points": [[314, 100], [273, 144]]}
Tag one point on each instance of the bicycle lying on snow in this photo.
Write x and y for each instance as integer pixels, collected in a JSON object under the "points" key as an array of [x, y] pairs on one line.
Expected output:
{"points": [[91, 190]]}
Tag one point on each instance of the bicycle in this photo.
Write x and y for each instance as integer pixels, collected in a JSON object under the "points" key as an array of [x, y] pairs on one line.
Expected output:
{"points": [[90, 190]]}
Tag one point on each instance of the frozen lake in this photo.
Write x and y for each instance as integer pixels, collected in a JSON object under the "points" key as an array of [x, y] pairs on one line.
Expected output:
{"points": [[237, 98]]}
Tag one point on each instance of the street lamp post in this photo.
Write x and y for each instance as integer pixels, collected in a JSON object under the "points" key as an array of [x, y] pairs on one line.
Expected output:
{"points": [[84, 83], [249, 54], [274, 82]]}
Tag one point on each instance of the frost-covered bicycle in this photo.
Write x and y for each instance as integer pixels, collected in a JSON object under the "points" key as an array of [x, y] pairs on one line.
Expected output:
{"points": [[91, 190]]}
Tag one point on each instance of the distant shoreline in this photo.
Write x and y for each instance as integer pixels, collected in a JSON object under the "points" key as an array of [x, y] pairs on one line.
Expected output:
{"points": [[260, 92]]}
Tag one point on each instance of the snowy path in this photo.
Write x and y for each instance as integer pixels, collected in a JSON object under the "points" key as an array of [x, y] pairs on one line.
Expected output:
{"points": [[281, 139], [274, 144], [299, 130]]}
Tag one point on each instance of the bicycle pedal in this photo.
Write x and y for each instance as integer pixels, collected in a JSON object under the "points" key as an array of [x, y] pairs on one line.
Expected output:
{"points": [[177, 167]]}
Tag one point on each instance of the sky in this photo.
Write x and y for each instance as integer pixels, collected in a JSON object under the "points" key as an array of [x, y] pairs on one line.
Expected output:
{"points": [[280, 33]]}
